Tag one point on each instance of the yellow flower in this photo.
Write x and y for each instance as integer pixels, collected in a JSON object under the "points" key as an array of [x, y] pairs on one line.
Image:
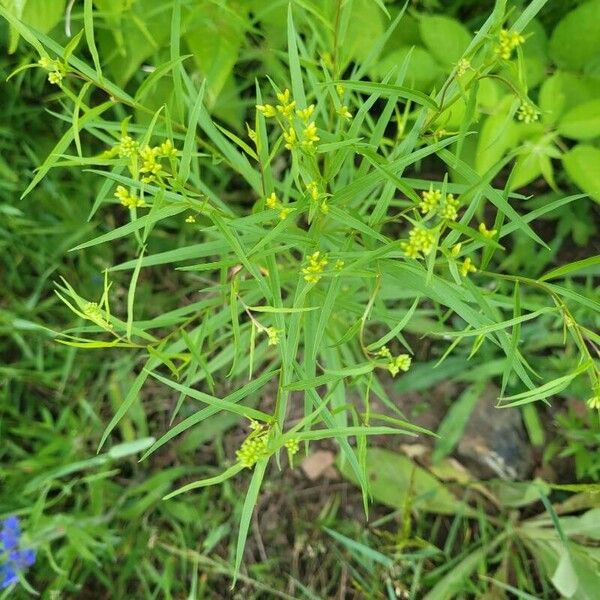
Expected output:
{"points": [[344, 112], [340, 89], [462, 66], [46, 63], [284, 212], [251, 133], [313, 189], [507, 42], [127, 146], [315, 266], [339, 264], [150, 163], [306, 113], [190, 219], [167, 149], [449, 210], [528, 113], [56, 68], [594, 402], [384, 352], [455, 251], [286, 108], [430, 201], [420, 240], [252, 450], [292, 446], [400, 363], [488, 233], [284, 97], [467, 267], [309, 135], [267, 110], [55, 77], [290, 138], [273, 335], [272, 200], [95, 314], [128, 199]]}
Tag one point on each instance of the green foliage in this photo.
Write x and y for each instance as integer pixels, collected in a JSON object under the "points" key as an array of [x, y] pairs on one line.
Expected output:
{"points": [[259, 231]]}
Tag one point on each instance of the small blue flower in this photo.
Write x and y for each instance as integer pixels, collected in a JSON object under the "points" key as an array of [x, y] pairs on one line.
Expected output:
{"points": [[8, 576], [13, 559], [10, 532]]}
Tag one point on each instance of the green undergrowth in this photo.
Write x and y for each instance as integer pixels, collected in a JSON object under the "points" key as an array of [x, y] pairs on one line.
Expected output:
{"points": [[276, 235]]}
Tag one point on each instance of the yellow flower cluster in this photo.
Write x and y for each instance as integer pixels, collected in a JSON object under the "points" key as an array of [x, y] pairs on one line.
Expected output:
{"points": [[528, 113], [594, 402], [467, 267], [287, 110], [431, 200], [450, 208], [128, 199], [434, 202], [318, 196], [488, 233], [127, 147], [56, 69], [94, 313], [343, 112], [401, 362], [273, 336], [190, 219], [463, 65], [420, 241], [273, 202], [315, 266], [292, 446], [146, 160], [507, 42], [396, 364], [253, 449]]}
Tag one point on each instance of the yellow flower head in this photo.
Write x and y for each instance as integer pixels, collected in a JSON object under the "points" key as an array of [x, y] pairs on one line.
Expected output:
{"points": [[528, 113], [467, 267], [306, 113], [190, 219], [55, 77], [420, 241], [127, 146], [284, 213], [167, 149], [488, 233], [290, 138], [273, 336], [462, 66], [450, 209], [344, 112], [127, 198], [313, 189], [267, 110], [399, 363], [150, 164], [272, 201], [430, 201], [507, 42], [315, 266], [594, 402], [309, 134], [252, 450], [286, 107]]}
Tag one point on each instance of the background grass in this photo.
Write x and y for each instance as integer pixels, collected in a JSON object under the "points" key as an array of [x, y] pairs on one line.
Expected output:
{"points": [[98, 520]]}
